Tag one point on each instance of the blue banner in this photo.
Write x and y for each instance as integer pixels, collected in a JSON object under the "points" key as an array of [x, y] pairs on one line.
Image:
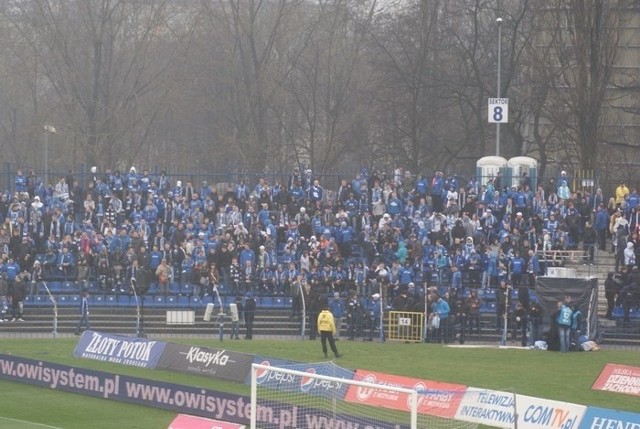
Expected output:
{"points": [[603, 418], [294, 383], [261, 360], [119, 349]]}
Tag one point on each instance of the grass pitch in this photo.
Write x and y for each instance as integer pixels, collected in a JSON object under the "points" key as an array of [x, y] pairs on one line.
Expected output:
{"points": [[565, 377]]}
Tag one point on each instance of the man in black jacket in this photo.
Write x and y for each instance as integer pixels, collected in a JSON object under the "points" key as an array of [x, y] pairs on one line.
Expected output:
{"points": [[589, 239], [612, 286], [249, 315], [629, 295]]}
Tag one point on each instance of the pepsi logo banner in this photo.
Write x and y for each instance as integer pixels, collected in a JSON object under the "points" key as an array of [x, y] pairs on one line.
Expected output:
{"points": [[435, 398], [268, 361], [619, 378], [314, 386]]}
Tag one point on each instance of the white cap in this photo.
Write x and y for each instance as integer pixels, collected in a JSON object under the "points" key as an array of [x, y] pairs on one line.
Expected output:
{"points": [[375, 296]]}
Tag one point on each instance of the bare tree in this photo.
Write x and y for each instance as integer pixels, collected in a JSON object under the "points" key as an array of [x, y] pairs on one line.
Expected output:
{"points": [[99, 70], [323, 116], [583, 36], [253, 37], [406, 54]]}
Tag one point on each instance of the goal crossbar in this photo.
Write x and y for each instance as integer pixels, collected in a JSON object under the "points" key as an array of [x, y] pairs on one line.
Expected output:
{"points": [[413, 393]]}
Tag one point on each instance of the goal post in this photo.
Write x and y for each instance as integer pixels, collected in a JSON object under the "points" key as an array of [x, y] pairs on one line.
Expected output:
{"points": [[293, 398], [301, 399]]}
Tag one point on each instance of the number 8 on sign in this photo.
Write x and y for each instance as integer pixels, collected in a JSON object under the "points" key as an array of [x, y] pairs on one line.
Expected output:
{"points": [[497, 114], [498, 110]]}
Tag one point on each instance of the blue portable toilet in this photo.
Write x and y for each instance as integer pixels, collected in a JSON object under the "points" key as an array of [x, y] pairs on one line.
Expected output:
{"points": [[488, 167], [518, 165]]}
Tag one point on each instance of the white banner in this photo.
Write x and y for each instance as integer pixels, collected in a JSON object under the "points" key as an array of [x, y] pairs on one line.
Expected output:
{"points": [[487, 407], [536, 413]]}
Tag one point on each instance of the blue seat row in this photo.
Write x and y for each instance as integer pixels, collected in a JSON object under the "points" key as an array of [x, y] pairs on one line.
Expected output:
{"points": [[57, 287], [618, 313], [488, 307], [151, 301], [490, 295], [94, 287]]}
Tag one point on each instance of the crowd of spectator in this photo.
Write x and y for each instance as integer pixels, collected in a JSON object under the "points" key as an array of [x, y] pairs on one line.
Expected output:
{"points": [[280, 238]]}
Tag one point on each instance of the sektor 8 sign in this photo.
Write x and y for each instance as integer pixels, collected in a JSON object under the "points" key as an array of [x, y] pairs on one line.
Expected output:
{"points": [[498, 110]]}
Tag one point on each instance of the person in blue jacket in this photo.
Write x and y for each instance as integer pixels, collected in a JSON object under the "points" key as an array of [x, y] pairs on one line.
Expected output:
{"points": [[20, 182], [437, 185], [564, 319], [601, 225], [440, 308], [374, 308], [84, 313], [517, 267], [394, 205]]}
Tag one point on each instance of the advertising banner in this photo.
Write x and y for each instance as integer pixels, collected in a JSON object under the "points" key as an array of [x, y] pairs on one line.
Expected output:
{"points": [[295, 383], [119, 349], [184, 421], [602, 418], [620, 379], [261, 360], [216, 363], [436, 399], [487, 407], [183, 399], [537, 413]]}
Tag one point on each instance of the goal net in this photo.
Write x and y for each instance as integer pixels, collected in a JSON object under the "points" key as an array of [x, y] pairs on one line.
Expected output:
{"points": [[295, 398]]}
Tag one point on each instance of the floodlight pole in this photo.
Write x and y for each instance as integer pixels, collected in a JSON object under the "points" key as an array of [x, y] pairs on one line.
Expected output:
{"points": [[304, 311], [505, 316], [499, 22], [381, 315]]}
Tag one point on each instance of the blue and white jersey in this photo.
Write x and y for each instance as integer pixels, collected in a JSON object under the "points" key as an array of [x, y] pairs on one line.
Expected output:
{"points": [[565, 316]]}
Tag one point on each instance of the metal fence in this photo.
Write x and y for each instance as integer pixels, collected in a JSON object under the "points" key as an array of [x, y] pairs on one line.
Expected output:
{"points": [[579, 180]]}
